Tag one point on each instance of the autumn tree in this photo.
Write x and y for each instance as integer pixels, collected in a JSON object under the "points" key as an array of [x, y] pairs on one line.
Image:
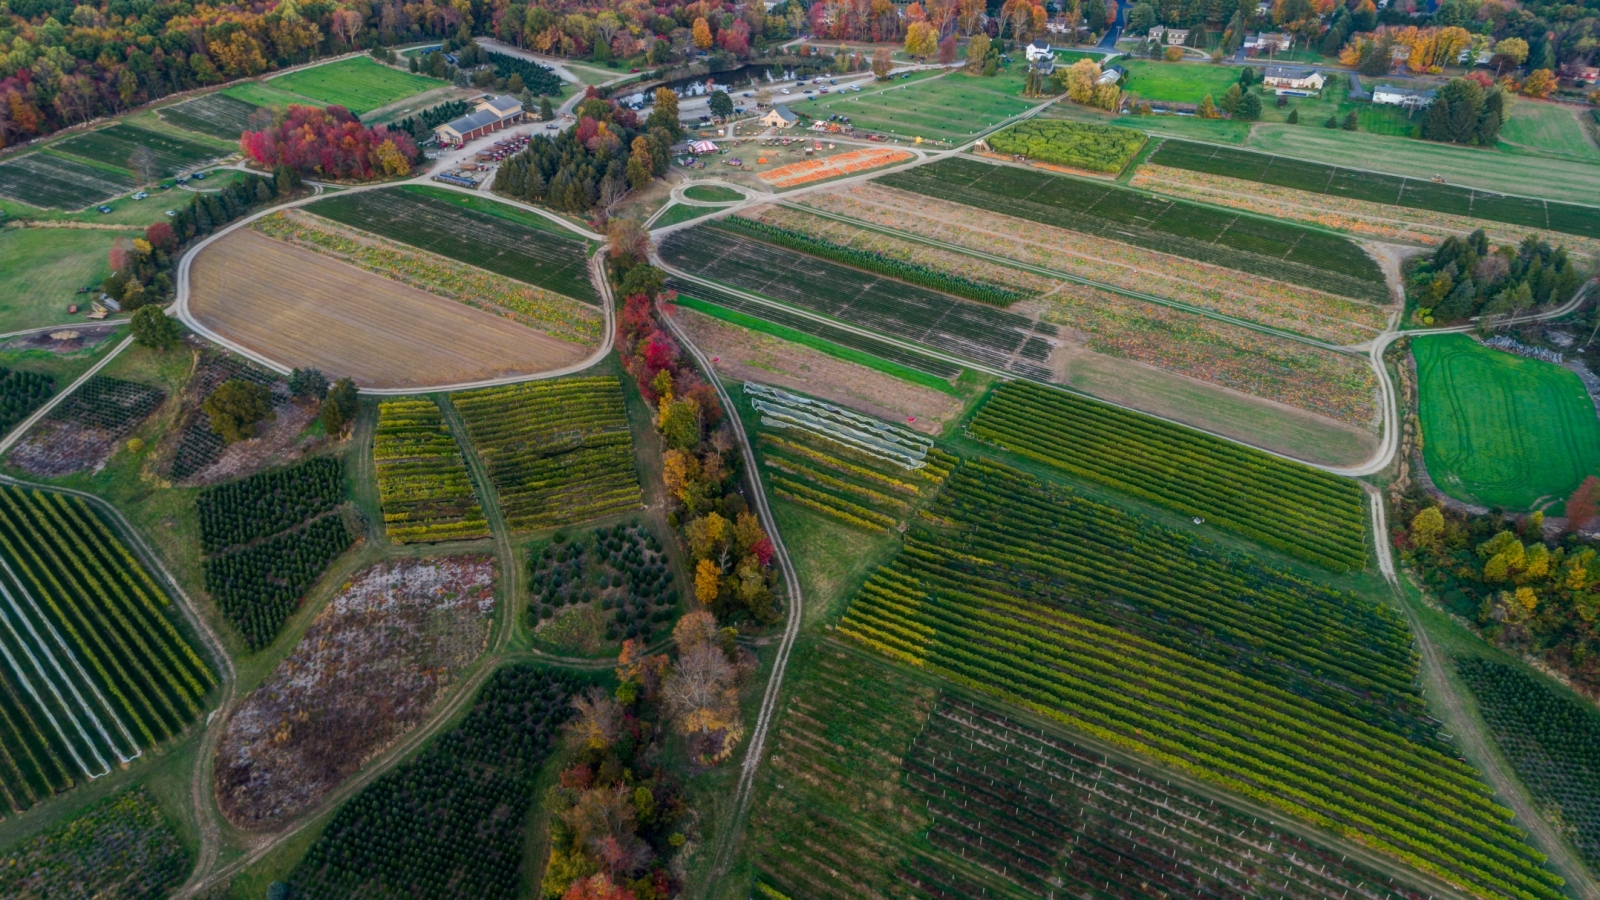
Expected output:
{"points": [[142, 163], [977, 52], [1583, 507], [701, 691], [882, 63], [1539, 84], [947, 50], [702, 33], [236, 407], [921, 40], [1080, 81], [155, 329], [1427, 527]]}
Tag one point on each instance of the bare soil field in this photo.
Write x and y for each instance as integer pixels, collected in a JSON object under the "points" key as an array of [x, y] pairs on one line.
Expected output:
{"points": [[303, 309], [367, 671], [744, 354]]}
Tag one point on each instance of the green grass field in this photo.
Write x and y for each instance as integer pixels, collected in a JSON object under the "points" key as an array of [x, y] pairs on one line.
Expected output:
{"points": [[712, 193], [1503, 430], [679, 212], [1490, 170], [41, 270], [1547, 129], [358, 84], [952, 107], [1178, 82], [493, 207]]}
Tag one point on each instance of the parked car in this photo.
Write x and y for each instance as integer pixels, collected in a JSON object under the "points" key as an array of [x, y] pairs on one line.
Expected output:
{"points": [[104, 209], [141, 195], [198, 176], [785, 91], [172, 212]]}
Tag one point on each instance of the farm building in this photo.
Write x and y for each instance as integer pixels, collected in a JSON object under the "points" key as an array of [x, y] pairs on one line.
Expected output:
{"points": [[1405, 98], [1287, 80], [779, 117], [492, 114]]}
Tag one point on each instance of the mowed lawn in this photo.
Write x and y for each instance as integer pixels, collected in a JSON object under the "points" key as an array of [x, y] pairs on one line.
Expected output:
{"points": [[1180, 82], [41, 270], [358, 84], [1549, 129], [1503, 430], [952, 107], [1489, 170]]}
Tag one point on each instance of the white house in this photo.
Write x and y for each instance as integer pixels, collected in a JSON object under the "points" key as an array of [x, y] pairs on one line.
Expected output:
{"points": [[492, 114], [779, 116], [1268, 41], [1287, 80], [1038, 50], [1174, 37], [1405, 98]]}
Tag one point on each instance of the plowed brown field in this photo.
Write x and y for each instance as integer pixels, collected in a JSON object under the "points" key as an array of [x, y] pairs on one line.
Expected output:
{"points": [[302, 309]]}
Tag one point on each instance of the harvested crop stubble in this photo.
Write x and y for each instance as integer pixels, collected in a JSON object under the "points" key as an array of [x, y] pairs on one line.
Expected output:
{"points": [[122, 848], [1364, 217], [367, 671], [1275, 502], [1279, 304], [808, 170], [1271, 249], [1079, 145], [422, 479], [558, 451], [535, 307], [84, 431]]}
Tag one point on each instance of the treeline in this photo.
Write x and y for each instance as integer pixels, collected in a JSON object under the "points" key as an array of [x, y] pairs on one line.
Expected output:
{"points": [[1464, 278], [421, 125], [595, 163], [536, 79]]}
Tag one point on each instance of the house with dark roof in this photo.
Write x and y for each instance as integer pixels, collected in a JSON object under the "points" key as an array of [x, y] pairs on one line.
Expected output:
{"points": [[779, 117], [491, 114]]}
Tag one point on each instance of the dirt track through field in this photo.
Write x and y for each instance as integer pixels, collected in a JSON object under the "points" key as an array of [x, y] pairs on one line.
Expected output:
{"points": [[303, 309]]}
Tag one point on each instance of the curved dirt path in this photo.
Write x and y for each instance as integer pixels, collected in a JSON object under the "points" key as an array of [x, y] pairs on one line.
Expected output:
{"points": [[1468, 729]]}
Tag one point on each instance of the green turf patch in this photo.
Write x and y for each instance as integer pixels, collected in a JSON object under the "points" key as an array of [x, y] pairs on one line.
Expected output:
{"points": [[1503, 430], [712, 193], [358, 84], [678, 213], [1180, 82], [847, 354]]}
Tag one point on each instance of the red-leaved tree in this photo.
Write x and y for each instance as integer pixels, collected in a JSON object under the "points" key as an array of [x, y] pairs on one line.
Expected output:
{"points": [[332, 143], [1583, 507]]}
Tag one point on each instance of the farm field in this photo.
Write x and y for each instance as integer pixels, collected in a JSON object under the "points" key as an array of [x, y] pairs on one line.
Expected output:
{"points": [[1551, 739], [1356, 185], [1111, 263], [101, 671], [991, 336], [938, 606], [217, 115], [489, 206], [422, 480], [1277, 503], [47, 180], [1219, 131], [950, 108], [1271, 249], [1552, 179], [192, 448], [1094, 148], [85, 429], [814, 169], [358, 84], [1503, 430], [746, 348], [123, 846], [302, 308], [41, 270], [385, 648], [867, 759], [596, 590], [502, 246], [268, 539], [1549, 129], [1184, 82], [115, 145], [1370, 220], [21, 393], [451, 821], [557, 451]]}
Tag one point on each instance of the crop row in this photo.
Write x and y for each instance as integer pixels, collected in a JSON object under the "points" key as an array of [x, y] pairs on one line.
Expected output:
{"points": [[1552, 741], [111, 404], [1265, 743], [1063, 550], [95, 670], [1281, 504], [622, 568], [502, 246], [843, 337], [914, 273], [448, 823], [557, 451], [991, 336], [1274, 249], [20, 394], [268, 502], [215, 114], [1058, 817], [47, 180], [259, 586], [1080, 145], [1375, 187], [114, 146], [120, 847], [422, 479]]}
